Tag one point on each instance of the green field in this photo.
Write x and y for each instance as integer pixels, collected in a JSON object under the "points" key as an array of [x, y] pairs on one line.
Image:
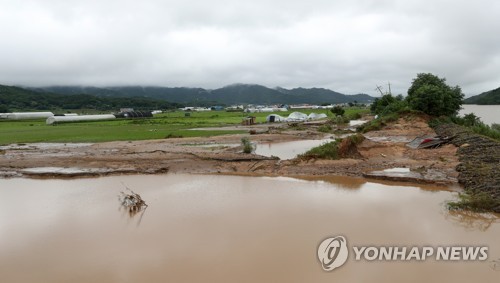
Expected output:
{"points": [[158, 127]]}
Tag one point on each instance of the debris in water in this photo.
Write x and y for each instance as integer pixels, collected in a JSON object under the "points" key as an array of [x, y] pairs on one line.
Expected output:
{"points": [[132, 202], [495, 264]]}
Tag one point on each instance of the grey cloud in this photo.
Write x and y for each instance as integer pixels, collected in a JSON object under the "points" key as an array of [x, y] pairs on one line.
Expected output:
{"points": [[348, 46]]}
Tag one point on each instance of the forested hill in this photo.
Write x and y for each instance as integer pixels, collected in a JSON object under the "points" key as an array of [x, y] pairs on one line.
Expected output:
{"points": [[491, 97], [232, 94], [20, 99]]}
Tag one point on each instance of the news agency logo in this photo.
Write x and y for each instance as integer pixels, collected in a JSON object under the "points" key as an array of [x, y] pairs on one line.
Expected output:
{"points": [[333, 253]]}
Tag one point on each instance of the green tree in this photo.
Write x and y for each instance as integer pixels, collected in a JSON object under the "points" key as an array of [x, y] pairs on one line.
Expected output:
{"points": [[388, 104], [431, 95], [471, 120]]}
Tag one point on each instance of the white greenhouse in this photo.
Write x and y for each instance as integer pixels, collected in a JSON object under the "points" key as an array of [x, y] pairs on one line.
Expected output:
{"points": [[315, 116], [296, 117], [66, 119], [26, 115], [275, 118]]}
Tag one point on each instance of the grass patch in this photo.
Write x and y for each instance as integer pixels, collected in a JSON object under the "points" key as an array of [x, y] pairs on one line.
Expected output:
{"points": [[476, 126], [328, 150], [158, 127], [340, 148], [325, 128], [379, 123], [478, 202]]}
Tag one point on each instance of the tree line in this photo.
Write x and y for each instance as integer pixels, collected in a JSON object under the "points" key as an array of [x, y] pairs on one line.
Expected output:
{"points": [[19, 99]]}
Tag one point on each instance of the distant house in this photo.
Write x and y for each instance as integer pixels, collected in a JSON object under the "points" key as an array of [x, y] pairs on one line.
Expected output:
{"points": [[249, 120]]}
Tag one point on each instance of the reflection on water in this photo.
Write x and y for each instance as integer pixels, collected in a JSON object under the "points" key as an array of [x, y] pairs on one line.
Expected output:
{"points": [[340, 182], [228, 229], [495, 264], [472, 220]]}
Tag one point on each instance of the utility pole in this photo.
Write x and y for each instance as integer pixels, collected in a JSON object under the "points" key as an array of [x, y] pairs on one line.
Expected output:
{"points": [[379, 88]]}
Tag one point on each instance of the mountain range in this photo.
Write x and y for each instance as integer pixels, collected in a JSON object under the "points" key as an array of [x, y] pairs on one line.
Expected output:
{"points": [[491, 97], [232, 94]]}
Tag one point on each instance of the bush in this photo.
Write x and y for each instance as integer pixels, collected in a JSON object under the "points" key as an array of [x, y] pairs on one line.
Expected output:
{"points": [[495, 127], [470, 120], [173, 136], [340, 120], [389, 104], [338, 110], [247, 145], [354, 116], [325, 128]]}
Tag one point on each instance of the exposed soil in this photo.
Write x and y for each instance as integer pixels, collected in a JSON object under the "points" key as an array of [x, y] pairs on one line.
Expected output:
{"points": [[222, 154]]}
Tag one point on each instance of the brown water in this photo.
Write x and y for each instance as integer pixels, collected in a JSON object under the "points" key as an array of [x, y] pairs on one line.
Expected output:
{"points": [[229, 229], [489, 114], [288, 150]]}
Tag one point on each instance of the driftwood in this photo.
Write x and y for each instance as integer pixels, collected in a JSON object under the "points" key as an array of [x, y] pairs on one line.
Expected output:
{"points": [[132, 202]]}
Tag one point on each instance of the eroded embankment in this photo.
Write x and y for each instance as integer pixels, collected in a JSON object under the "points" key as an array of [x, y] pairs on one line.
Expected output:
{"points": [[479, 156]]}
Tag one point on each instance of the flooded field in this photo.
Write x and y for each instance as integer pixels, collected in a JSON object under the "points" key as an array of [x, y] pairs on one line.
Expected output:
{"points": [[230, 229]]}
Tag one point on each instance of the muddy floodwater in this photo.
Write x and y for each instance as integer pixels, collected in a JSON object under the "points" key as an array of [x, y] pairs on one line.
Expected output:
{"points": [[288, 150], [489, 114], [207, 228]]}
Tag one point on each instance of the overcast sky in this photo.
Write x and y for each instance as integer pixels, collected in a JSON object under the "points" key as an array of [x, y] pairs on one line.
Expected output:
{"points": [[348, 46]]}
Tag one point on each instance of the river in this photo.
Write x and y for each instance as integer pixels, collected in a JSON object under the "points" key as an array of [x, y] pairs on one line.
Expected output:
{"points": [[489, 114], [208, 228]]}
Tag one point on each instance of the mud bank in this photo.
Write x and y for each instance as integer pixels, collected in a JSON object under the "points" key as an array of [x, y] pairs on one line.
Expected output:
{"points": [[381, 150], [479, 156]]}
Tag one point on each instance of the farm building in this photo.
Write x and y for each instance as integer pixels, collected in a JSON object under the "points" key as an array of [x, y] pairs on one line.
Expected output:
{"points": [[249, 120]]}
